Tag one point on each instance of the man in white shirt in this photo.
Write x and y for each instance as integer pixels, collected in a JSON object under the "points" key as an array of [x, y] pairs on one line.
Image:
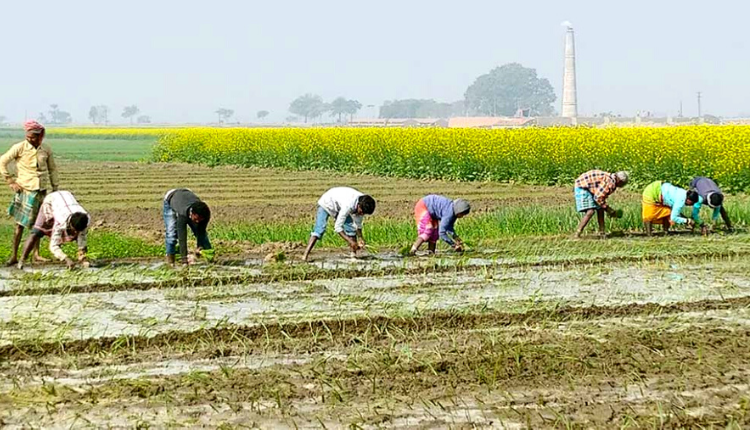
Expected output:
{"points": [[347, 206], [63, 219]]}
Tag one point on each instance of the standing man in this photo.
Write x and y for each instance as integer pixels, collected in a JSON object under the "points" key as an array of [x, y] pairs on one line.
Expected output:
{"points": [[591, 191], [663, 203], [711, 195], [63, 219], [183, 209], [36, 174], [348, 207]]}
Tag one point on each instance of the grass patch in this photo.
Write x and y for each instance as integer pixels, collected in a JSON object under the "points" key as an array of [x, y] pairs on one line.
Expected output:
{"points": [[91, 149]]}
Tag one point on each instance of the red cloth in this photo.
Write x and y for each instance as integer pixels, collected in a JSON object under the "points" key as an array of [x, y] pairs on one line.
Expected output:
{"points": [[32, 125]]}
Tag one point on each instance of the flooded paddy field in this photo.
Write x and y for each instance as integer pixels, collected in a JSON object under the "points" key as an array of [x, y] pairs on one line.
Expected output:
{"points": [[485, 340]]}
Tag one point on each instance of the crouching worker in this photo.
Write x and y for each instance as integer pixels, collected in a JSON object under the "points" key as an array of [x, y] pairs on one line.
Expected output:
{"points": [[710, 195], [591, 191], [63, 220], [347, 207], [663, 204], [183, 209], [435, 216]]}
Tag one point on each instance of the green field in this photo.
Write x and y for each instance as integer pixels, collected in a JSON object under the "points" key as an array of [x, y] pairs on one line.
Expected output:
{"points": [[94, 149]]}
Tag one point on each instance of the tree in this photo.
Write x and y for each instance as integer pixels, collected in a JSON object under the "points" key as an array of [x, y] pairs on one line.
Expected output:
{"points": [[224, 114], [339, 107], [262, 114], [508, 88], [99, 114], [2, 119], [58, 116], [308, 106], [352, 107], [143, 119], [129, 112], [419, 108]]}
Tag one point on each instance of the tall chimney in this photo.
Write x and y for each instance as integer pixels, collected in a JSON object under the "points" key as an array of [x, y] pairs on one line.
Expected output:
{"points": [[569, 98]]}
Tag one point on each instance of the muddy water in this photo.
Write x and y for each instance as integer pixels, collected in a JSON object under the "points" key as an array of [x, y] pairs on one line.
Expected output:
{"points": [[91, 315]]}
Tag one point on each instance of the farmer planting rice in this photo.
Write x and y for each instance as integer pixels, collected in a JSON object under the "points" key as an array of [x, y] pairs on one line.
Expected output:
{"points": [[183, 209], [709, 194], [591, 191], [663, 203], [435, 217], [347, 207], [36, 173], [62, 219]]}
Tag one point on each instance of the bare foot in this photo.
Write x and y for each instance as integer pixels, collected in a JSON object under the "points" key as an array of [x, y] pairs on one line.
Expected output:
{"points": [[11, 262], [40, 259]]}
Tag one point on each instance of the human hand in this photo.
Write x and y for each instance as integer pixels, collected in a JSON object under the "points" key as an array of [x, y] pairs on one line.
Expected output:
{"points": [[15, 187], [458, 247], [704, 230], [70, 263]]}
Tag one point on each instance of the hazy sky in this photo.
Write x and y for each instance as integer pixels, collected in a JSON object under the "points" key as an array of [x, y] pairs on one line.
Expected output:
{"points": [[181, 60]]}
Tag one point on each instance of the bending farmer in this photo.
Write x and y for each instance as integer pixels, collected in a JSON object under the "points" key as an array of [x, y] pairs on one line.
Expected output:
{"points": [[63, 220], [183, 209], [36, 173], [348, 207], [435, 216], [663, 203], [709, 194], [591, 191]]}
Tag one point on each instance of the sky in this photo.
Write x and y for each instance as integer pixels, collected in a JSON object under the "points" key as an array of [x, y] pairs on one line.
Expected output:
{"points": [[179, 61]]}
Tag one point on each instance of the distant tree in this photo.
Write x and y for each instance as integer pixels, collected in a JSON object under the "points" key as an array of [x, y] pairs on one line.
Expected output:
{"points": [[99, 114], [130, 112], [224, 114], [2, 119], [58, 116], [308, 106], [508, 88], [42, 117], [292, 118], [143, 119], [418, 108], [339, 107], [352, 107], [262, 114]]}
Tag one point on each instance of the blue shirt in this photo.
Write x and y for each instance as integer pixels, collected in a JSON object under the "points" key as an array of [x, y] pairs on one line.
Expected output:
{"points": [[441, 208], [674, 197]]}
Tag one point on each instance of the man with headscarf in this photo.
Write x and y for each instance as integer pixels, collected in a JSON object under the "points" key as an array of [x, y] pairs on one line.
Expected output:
{"points": [[709, 194], [36, 174], [591, 191], [436, 216]]}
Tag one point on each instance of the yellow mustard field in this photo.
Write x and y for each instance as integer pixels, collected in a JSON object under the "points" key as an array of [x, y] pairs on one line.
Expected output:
{"points": [[534, 155]]}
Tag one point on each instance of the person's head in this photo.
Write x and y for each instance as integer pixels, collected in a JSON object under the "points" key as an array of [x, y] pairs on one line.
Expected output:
{"points": [[621, 178], [34, 132], [714, 200], [79, 221], [365, 205], [461, 208], [200, 212], [692, 197]]}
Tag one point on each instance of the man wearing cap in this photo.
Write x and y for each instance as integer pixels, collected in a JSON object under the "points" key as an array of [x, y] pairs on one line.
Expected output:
{"points": [[36, 174], [591, 191], [435, 216], [709, 194]]}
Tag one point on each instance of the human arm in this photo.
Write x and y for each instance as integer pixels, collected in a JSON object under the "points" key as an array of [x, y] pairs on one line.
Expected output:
{"points": [[725, 217], [52, 170], [10, 155], [55, 246], [82, 245], [182, 237], [676, 216], [446, 229], [602, 191]]}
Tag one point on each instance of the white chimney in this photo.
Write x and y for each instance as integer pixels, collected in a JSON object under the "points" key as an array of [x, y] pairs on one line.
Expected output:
{"points": [[569, 98]]}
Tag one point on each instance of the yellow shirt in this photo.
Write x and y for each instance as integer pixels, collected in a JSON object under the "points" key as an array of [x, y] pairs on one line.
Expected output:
{"points": [[35, 167]]}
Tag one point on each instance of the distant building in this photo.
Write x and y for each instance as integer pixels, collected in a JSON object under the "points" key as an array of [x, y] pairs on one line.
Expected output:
{"points": [[398, 122]]}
